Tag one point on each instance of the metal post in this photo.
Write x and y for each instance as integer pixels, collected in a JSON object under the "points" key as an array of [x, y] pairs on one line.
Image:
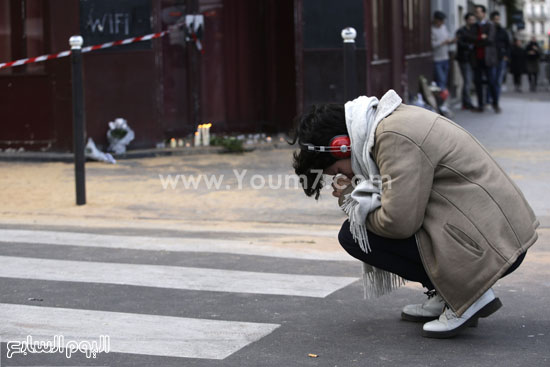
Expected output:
{"points": [[350, 63], [78, 119]]}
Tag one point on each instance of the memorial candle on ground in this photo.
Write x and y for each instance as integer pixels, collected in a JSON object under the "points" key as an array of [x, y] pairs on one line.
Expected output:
{"points": [[198, 136], [206, 134]]}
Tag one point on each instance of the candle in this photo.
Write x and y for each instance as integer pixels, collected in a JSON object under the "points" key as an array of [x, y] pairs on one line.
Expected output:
{"points": [[198, 137], [206, 134], [180, 142], [172, 143]]}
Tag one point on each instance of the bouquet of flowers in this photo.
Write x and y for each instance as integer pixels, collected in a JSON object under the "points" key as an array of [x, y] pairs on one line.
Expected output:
{"points": [[119, 135]]}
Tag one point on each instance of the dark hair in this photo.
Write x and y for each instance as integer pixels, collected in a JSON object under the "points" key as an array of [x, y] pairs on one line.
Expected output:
{"points": [[317, 126], [483, 8], [494, 14], [439, 15], [468, 15]]}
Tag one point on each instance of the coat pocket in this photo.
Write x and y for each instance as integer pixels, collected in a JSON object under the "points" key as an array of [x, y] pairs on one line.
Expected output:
{"points": [[462, 238]]}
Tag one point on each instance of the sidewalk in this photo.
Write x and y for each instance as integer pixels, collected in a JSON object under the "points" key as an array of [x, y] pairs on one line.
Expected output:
{"points": [[130, 196]]}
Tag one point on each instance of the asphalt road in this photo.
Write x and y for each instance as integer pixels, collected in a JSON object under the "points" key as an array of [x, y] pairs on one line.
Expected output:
{"points": [[152, 322]]}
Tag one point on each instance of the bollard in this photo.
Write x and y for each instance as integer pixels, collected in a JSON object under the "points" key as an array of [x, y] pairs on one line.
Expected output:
{"points": [[78, 119], [350, 63]]}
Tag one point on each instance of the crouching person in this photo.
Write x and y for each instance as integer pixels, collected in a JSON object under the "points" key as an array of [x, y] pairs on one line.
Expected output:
{"points": [[425, 203]]}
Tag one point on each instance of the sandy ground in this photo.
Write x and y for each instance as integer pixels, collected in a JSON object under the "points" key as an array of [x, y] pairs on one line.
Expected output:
{"points": [[132, 189], [130, 194]]}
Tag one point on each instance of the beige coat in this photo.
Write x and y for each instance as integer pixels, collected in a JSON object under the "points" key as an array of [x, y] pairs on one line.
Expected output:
{"points": [[470, 220]]}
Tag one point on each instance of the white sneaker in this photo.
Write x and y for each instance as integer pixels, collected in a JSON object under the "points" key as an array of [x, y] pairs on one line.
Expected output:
{"points": [[449, 324], [427, 311]]}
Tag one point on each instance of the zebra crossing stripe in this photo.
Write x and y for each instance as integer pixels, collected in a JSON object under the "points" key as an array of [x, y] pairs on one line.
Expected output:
{"points": [[9, 236], [175, 277], [165, 336]]}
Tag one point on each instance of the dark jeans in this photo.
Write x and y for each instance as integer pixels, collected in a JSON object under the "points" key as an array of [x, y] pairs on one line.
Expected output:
{"points": [[398, 256], [500, 73], [441, 70], [489, 72], [466, 70]]}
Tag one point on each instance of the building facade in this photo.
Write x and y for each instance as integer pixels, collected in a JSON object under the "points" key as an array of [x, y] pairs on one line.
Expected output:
{"points": [[258, 64], [536, 15]]}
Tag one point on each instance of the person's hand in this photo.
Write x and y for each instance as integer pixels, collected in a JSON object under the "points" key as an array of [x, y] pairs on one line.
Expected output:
{"points": [[483, 36], [339, 184]]}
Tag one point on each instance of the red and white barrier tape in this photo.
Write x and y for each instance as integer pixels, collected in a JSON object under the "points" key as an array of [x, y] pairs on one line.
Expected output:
{"points": [[126, 41]]}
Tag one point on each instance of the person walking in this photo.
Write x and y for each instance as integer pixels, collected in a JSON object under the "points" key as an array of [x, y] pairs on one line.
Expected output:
{"points": [[517, 63], [485, 60], [532, 51], [440, 45], [464, 56], [502, 44], [425, 202]]}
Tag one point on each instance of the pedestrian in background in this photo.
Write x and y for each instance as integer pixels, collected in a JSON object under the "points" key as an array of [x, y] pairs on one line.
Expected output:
{"points": [[517, 63], [502, 44], [464, 56], [485, 60], [533, 53], [440, 45]]}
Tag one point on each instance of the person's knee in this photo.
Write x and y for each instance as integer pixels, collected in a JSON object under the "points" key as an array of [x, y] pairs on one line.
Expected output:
{"points": [[344, 235], [347, 241], [349, 244]]}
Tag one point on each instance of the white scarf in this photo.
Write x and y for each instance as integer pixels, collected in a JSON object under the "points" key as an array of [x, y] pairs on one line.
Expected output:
{"points": [[362, 117]]}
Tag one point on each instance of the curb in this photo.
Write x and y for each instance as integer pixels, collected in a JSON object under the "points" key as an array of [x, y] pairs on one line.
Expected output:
{"points": [[135, 154]]}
